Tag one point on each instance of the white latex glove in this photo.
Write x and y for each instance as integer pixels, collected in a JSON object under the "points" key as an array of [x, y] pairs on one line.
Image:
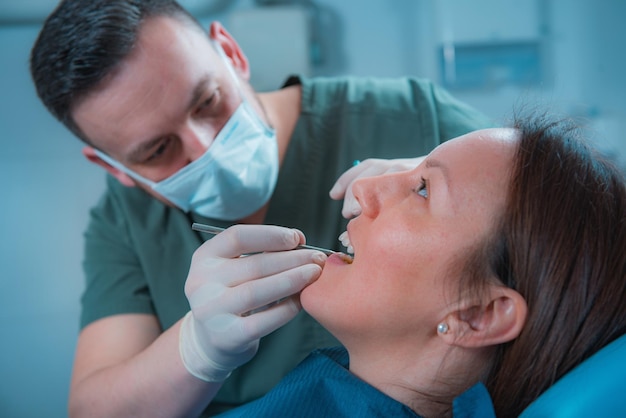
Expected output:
{"points": [[367, 168], [226, 291]]}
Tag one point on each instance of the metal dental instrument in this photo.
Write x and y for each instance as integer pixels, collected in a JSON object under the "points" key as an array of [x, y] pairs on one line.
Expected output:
{"points": [[216, 230]]}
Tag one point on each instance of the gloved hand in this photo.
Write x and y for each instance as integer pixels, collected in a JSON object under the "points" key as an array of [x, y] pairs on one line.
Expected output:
{"points": [[228, 291], [367, 168]]}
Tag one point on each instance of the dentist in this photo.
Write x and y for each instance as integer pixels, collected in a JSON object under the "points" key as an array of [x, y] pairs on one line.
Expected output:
{"points": [[172, 325]]}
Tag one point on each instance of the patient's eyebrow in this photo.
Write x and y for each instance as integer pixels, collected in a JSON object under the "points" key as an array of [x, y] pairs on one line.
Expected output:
{"points": [[432, 163]]}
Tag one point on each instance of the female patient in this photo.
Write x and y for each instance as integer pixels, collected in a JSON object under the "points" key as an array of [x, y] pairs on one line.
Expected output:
{"points": [[500, 259]]}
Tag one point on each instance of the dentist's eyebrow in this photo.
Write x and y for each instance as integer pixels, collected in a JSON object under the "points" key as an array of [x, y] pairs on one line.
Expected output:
{"points": [[137, 154]]}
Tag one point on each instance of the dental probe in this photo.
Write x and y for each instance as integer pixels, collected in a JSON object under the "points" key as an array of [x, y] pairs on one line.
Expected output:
{"points": [[216, 230]]}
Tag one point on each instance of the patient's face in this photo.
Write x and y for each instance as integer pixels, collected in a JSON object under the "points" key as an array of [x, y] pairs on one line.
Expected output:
{"points": [[411, 227]]}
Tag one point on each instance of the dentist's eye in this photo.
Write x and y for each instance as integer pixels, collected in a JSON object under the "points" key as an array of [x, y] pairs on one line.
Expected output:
{"points": [[210, 105], [207, 103], [422, 189], [161, 149]]}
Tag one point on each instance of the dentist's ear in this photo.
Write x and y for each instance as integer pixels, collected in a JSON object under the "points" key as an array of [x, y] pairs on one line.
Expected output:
{"points": [[233, 52], [499, 319], [122, 177]]}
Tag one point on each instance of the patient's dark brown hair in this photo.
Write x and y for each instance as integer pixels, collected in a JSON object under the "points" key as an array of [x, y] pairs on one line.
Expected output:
{"points": [[561, 243]]}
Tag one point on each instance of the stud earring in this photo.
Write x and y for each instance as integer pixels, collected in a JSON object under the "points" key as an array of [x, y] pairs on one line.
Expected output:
{"points": [[442, 328]]}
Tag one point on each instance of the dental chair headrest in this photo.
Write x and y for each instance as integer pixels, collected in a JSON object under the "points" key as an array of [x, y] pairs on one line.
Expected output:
{"points": [[595, 388]]}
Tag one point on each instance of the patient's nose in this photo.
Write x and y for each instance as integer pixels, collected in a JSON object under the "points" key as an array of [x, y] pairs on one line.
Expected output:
{"points": [[367, 192], [375, 193]]}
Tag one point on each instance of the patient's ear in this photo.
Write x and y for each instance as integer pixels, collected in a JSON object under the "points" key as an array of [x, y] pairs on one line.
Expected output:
{"points": [[122, 177], [499, 319]]}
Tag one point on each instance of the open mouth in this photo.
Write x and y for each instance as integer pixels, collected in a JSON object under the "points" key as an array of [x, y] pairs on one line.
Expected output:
{"points": [[344, 238]]}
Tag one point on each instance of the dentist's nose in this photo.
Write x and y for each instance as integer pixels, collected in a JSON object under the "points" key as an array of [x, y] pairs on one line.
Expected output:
{"points": [[195, 140]]}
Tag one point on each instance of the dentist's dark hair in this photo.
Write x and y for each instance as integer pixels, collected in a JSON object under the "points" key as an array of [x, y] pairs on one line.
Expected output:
{"points": [[82, 42], [561, 243]]}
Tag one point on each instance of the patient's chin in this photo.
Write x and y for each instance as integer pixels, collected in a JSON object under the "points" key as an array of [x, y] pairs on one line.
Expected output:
{"points": [[310, 297], [321, 297]]}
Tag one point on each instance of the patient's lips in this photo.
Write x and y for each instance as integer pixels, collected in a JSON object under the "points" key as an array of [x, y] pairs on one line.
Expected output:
{"points": [[345, 241], [345, 258]]}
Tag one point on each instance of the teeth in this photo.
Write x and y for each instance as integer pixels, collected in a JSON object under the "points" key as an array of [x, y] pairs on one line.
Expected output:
{"points": [[345, 241]]}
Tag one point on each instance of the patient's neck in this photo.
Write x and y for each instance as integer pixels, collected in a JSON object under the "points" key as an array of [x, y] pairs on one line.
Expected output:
{"points": [[425, 379]]}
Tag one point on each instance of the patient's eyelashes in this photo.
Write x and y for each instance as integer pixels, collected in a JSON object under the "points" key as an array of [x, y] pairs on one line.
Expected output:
{"points": [[422, 189]]}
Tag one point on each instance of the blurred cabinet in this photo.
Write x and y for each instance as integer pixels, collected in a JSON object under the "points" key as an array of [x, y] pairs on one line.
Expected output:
{"points": [[501, 45], [491, 20]]}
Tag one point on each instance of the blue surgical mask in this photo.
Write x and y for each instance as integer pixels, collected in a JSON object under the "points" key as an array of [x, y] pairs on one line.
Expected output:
{"points": [[234, 178]]}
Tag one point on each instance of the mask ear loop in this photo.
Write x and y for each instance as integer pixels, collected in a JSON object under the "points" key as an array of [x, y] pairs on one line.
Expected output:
{"points": [[220, 51], [114, 163], [231, 70]]}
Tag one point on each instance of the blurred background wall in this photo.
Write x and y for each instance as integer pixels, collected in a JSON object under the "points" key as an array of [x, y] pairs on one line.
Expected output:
{"points": [[566, 55]]}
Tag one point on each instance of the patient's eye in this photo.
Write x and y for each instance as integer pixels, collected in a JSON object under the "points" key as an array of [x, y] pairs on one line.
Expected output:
{"points": [[422, 188]]}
